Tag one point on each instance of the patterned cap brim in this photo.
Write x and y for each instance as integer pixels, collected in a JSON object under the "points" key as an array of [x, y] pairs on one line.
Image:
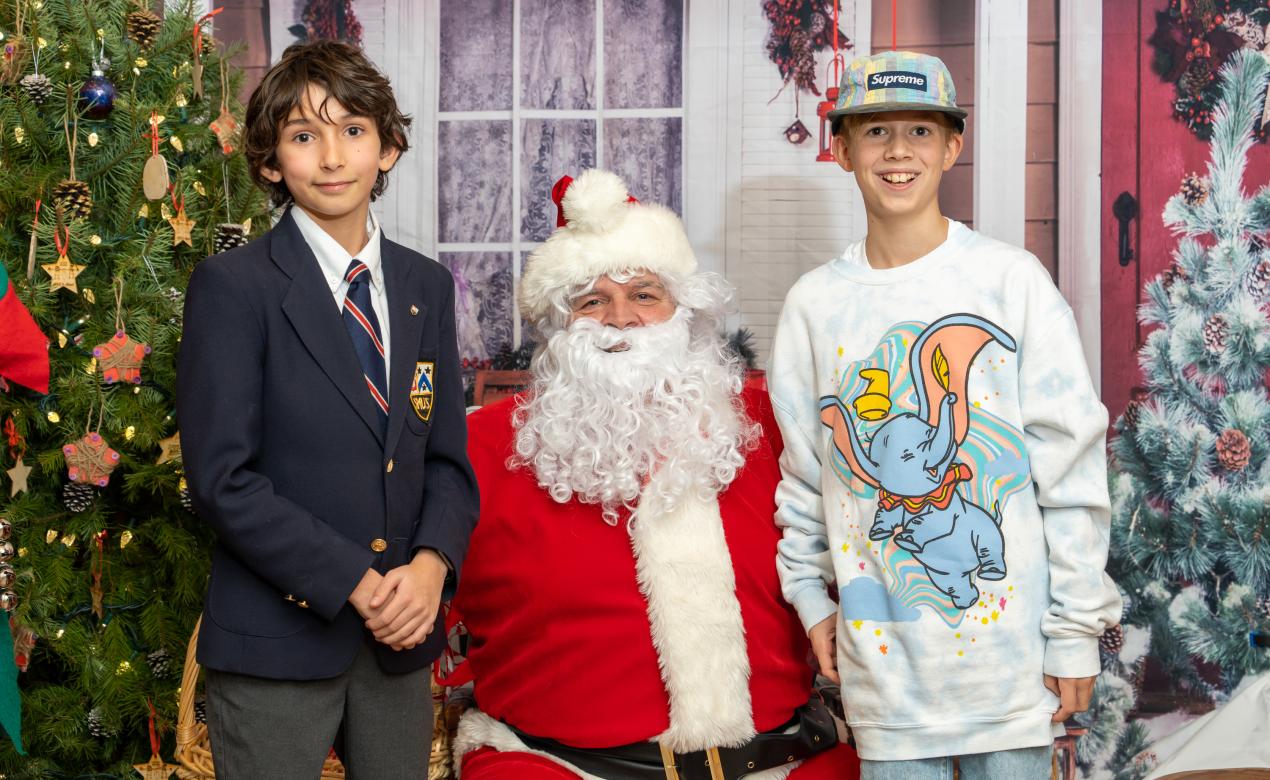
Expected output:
{"points": [[878, 108]]}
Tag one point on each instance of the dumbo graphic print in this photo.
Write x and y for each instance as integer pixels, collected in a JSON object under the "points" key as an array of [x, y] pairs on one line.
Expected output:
{"points": [[906, 430]]}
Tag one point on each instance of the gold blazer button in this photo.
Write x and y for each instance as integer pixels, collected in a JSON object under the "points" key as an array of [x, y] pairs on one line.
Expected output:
{"points": [[378, 545]]}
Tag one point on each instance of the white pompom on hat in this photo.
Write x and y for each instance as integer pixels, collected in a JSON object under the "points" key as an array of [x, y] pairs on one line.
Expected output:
{"points": [[601, 230]]}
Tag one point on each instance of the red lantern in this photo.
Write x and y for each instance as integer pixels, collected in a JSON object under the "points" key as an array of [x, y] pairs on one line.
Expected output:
{"points": [[826, 124], [831, 96]]}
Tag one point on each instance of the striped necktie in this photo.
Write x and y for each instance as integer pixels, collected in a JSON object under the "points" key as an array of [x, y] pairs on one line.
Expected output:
{"points": [[363, 328]]}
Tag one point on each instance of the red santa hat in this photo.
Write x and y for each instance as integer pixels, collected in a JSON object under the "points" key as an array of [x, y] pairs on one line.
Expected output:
{"points": [[601, 230]]}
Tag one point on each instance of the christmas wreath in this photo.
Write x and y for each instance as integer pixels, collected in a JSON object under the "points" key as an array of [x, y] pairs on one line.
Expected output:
{"points": [[332, 20], [800, 29], [1193, 39]]}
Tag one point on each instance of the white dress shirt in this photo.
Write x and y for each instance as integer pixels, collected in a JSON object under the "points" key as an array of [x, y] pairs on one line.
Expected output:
{"points": [[333, 259]]}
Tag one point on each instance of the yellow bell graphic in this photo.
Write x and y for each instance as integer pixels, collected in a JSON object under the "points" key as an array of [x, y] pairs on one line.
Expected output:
{"points": [[875, 402]]}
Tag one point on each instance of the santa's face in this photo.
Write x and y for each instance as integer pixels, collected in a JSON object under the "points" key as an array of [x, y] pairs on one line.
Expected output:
{"points": [[612, 407], [641, 300]]}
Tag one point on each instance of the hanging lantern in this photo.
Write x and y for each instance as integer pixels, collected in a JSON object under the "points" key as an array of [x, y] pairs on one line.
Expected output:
{"points": [[831, 96], [826, 124]]}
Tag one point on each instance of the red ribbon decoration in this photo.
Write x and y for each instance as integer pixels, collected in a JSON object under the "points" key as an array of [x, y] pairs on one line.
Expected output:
{"points": [[198, 26], [153, 135], [178, 206], [17, 445], [557, 197], [62, 248], [154, 738]]}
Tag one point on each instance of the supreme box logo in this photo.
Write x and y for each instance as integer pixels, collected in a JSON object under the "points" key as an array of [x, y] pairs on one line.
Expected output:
{"points": [[893, 79]]}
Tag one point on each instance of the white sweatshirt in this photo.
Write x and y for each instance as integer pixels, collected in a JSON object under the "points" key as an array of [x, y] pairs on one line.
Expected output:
{"points": [[958, 503]]}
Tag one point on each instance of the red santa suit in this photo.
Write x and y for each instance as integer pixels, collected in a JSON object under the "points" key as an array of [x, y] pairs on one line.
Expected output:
{"points": [[593, 636]]}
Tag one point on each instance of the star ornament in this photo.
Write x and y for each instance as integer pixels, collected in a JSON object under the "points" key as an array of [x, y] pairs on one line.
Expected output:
{"points": [[17, 476], [182, 228], [90, 460], [155, 769], [63, 274], [120, 359], [171, 449]]}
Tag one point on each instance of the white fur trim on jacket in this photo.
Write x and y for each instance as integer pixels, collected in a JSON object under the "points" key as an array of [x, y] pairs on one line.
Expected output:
{"points": [[605, 235], [685, 572], [476, 729]]}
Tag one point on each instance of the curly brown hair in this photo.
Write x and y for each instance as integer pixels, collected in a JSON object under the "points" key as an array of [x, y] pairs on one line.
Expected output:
{"points": [[348, 78]]}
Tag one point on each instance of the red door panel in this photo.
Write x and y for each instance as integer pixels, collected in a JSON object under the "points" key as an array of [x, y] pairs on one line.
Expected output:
{"points": [[1145, 152]]}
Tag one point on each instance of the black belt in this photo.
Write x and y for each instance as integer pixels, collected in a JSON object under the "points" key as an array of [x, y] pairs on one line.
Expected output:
{"points": [[810, 731]]}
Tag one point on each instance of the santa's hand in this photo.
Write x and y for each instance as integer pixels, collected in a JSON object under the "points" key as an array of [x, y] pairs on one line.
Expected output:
{"points": [[408, 599], [823, 638]]}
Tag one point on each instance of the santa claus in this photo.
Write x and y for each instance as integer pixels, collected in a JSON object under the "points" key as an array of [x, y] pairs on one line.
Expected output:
{"points": [[620, 592]]}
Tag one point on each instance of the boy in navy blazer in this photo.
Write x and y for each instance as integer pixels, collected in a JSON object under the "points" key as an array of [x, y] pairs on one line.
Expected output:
{"points": [[323, 433]]}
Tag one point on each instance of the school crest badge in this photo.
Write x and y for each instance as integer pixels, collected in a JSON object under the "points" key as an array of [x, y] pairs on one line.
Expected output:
{"points": [[421, 390]]}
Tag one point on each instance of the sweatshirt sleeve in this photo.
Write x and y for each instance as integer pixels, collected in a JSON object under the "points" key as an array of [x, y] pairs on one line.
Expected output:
{"points": [[802, 558], [1064, 428]]}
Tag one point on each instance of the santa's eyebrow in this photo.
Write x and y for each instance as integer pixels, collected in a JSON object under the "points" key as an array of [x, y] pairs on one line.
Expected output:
{"points": [[649, 283]]}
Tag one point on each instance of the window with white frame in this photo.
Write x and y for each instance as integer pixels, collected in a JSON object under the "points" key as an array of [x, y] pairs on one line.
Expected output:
{"points": [[531, 90]]}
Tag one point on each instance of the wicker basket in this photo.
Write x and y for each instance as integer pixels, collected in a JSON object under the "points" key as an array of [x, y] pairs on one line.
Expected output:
{"points": [[193, 749]]}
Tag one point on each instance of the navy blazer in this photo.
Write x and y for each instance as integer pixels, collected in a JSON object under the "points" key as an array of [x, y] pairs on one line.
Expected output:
{"points": [[286, 460]]}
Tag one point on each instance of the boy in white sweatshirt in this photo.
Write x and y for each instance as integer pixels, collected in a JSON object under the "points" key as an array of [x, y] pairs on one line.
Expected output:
{"points": [[944, 465]]}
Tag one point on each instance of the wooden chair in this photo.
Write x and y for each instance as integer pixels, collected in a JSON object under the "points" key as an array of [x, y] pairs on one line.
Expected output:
{"points": [[492, 385]]}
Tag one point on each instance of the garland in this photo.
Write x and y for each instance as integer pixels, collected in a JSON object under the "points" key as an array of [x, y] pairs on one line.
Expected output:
{"points": [[1193, 39], [800, 29]]}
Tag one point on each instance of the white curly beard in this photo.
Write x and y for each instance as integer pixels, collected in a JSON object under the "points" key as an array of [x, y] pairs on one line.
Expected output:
{"points": [[599, 423]]}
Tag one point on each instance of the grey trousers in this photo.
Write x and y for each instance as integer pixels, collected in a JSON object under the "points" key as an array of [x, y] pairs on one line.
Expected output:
{"points": [[380, 724]]}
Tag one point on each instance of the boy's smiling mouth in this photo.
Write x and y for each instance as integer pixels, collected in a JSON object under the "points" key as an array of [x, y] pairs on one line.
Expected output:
{"points": [[898, 177]]}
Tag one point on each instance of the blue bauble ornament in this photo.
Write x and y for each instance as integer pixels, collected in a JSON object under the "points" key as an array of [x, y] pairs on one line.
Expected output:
{"points": [[97, 96]]}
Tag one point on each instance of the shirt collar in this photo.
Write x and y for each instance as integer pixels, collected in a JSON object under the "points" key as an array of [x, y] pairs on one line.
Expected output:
{"points": [[332, 258]]}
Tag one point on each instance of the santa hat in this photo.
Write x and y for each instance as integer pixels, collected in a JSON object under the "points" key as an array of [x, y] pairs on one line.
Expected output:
{"points": [[601, 230]]}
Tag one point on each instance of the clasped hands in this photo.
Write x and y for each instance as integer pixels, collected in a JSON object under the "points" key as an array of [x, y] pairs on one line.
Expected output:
{"points": [[400, 607]]}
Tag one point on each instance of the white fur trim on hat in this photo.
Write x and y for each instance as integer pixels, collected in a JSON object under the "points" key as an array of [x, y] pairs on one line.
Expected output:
{"points": [[605, 235]]}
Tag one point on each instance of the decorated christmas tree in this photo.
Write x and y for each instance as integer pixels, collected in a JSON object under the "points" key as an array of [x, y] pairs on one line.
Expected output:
{"points": [[1191, 528], [119, 171]]}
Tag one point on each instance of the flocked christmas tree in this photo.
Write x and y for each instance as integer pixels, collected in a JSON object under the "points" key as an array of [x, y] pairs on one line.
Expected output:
{"points": [[1191, 526], [119, 172]]}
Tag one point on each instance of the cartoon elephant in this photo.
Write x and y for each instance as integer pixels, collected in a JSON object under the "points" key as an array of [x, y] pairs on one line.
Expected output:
{"points": [[911, 459]]}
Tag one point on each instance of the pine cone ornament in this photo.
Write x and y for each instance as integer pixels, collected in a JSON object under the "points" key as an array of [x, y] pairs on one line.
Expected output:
{"points": [[1132, 413], [160, 662], [1258, 281], [1263, 607], [1194, 189], [200, 709], [229, 236], [1172, 274], [77, 496], [74, 198], [1215, 333], [37, 87], [95, 725], [1112, 640], [143, 27], [1195, 79], [803, 66], [1233, 449]]}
